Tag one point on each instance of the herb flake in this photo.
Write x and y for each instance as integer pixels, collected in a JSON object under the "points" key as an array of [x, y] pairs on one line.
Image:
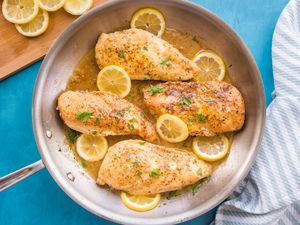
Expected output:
{"points": [[166, 61], [73, 135], [201, 117], [172, 194], [84, 116], [154, 89], [184, 101], [138, 173], [142, 143], [145, 48], [121, 54], [155, 173], [199, 172], [196, 188]]}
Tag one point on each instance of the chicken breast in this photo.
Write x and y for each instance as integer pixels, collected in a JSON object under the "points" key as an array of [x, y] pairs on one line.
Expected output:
{"points": [[141, 168], [104, 113], [144, 56], [208, 108]]}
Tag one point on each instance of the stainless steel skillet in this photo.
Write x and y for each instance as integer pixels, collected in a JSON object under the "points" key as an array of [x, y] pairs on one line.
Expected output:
{"points": [[81, 36]]}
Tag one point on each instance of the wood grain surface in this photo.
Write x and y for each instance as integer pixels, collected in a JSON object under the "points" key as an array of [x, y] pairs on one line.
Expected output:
{"points": [[17, 51]]}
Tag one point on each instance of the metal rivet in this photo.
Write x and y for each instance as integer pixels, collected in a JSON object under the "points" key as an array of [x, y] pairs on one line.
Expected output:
{"points": [[70, 176], [48, 134]]}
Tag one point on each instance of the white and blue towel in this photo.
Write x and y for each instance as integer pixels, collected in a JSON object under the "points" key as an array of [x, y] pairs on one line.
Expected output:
{"points": [[271, 193]]}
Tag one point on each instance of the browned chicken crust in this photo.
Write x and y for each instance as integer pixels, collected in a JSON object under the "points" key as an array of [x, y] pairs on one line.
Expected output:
{"points": [[208, 108], [108, 114], [141, 168], [144, 56]]}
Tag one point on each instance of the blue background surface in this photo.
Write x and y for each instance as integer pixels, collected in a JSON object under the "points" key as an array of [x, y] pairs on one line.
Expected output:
{"points": [[38, 200]]}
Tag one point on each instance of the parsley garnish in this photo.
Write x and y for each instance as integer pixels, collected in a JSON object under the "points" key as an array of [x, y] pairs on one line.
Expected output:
{"points": [[201, 117], [184, 101], [142, 142], [138, 173], [83, 164], [98, 120], [121, 54], [153, 89], [155, 173], [196, 188], [73, 135], [172, 194], [174, 157], [209, 100], [131, 127], [133, 120], [145, 48], [94, 132], [83, 116], [199, 172], [166, 61]]}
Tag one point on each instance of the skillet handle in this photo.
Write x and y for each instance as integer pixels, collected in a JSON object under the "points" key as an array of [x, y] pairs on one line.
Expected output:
{"points": [[17, 176]]}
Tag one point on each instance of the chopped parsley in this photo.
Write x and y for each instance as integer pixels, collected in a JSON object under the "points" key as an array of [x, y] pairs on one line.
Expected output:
{"points": [[201, 117], [210, 100], [121, 54], [154, 89], [83, 164], [145, 48], [131, 127], [184, 101], [94, 132], [172, 194], [138, 173], [73, 135], [166, 61], [142, 143], [155, 173], [174, 157], [199, 172], [84, 116], [196, 188], [133, 120], [131, 96], [98, 120]]}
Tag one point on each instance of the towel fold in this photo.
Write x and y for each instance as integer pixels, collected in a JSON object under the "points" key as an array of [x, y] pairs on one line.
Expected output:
{"points": [[271, 193]]}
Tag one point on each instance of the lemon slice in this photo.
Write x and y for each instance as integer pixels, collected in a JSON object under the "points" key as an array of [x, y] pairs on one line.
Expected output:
{"points": [[140, 203], [171, 128], [21, 11], [91, 147], [78, 7], [36, 27], [212, 67], [211, 148], [150, 20], [114, 79], [51, 5]]}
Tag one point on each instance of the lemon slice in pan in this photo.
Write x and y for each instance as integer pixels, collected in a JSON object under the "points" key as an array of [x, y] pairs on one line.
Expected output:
{"points": [[140, 203], [114, 79], [91, 147], [212, 66], [150, 20], [211, 148], [171, 128]]}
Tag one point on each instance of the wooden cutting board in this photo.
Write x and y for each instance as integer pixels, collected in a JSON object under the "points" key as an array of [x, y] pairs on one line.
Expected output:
{"points": [[17, 51]]}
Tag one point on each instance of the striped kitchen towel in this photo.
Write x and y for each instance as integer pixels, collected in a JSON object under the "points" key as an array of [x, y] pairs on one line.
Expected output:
{"points": [[271, 193]]}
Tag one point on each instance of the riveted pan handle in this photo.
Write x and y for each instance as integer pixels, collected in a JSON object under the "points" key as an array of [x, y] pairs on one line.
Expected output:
{"points": [[21, 174]]}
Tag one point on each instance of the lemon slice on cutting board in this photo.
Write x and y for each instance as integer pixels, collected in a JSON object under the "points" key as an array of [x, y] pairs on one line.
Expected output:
{"points": [[140, 203], [211, 148], [51, 5], [21, 11], [114, 79], [36, 27], [171, 128], [212, 66], [149, 19], [77, 7], [91, 147]]}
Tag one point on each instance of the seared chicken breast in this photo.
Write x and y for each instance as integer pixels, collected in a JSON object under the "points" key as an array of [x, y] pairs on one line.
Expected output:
{"points": [[104, 113], [208, 108], [144, 56], [141, 168]]}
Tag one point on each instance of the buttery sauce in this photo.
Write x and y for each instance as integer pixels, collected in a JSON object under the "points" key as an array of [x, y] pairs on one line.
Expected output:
{"points": [[85, 75]]}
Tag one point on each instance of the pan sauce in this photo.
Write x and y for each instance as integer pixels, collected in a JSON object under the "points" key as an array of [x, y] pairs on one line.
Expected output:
{"points": [[84, 77]]}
